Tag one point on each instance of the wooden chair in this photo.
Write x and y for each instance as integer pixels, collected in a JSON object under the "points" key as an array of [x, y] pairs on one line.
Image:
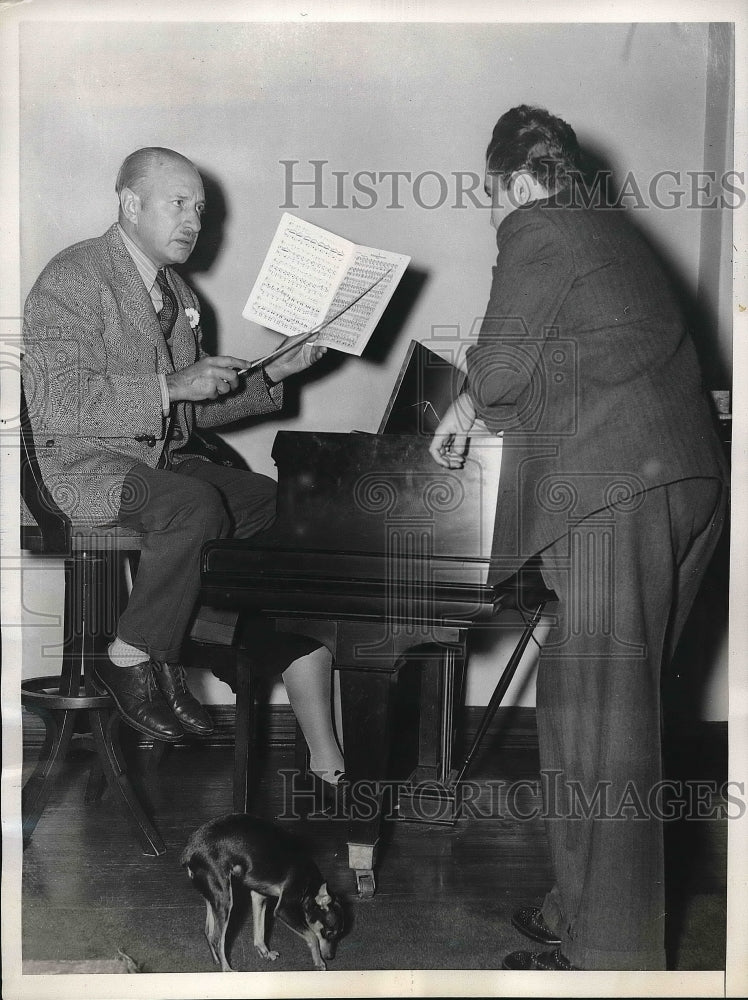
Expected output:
{"points": [[92, 560]]}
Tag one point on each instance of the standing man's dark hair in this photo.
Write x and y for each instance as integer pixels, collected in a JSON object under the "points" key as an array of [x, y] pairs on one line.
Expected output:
{"points": [[532, 139]]}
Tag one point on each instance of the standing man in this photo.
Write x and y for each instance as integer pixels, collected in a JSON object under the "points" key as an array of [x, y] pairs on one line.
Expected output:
{"points": [[116, 379], [613, 476]]}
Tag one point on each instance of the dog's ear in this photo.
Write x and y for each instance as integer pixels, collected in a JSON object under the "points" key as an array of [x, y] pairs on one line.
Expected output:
{"points": [[324, 898]]}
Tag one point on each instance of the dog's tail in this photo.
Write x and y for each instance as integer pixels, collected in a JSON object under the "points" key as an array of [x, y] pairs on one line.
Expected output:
{"points": [[207, 881], [193, 863], [188, 858]]}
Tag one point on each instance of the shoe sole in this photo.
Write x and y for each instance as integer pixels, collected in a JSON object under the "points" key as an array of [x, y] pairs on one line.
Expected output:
{"points": [[190, 729], [540, 938], [197, 732], [102, 688]]}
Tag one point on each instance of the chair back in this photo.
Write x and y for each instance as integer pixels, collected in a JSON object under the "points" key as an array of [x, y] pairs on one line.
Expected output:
{"points": [[52, 533]]}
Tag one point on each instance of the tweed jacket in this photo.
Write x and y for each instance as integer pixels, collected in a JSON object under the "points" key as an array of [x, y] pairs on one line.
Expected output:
{"points": [[584, 362], [93, 351]]}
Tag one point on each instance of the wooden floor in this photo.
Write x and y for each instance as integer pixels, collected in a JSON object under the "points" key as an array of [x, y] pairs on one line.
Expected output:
{"points": [[444, 895]]}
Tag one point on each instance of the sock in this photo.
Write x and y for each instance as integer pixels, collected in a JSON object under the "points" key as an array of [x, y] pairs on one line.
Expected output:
{"points": [[308, 683], [122, 654]]}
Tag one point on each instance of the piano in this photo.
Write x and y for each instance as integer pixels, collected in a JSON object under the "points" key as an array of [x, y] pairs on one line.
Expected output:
{"points": [[383, 556]]}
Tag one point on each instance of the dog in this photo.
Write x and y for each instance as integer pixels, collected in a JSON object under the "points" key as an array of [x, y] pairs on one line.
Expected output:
{"points": [[269, 861]]}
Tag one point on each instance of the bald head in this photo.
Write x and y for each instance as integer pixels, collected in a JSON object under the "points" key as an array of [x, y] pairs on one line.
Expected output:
{"points": [[161, 201], [143, 163]]}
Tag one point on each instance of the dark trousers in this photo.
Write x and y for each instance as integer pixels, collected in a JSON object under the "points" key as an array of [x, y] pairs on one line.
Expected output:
{"points": [[178, 510], [626, 579]]}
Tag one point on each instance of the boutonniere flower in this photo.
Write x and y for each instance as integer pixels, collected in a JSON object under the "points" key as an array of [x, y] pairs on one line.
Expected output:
{"points": [[193, 316]]}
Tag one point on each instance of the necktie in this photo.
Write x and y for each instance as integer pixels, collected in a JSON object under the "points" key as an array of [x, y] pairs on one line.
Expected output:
{"points": [[169, 309], [166, 317]]}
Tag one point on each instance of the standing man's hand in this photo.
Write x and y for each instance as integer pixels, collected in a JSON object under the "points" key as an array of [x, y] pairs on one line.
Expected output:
{"points": [[208, 378], [295, 360], [449, 444]]}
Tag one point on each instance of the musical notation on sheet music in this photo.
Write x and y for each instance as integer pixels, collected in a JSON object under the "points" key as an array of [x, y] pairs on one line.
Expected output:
{"points": [[312, 278]]}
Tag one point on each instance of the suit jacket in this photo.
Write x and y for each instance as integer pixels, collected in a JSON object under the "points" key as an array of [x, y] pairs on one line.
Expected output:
{"points": [[584, 361], [93, 350]]}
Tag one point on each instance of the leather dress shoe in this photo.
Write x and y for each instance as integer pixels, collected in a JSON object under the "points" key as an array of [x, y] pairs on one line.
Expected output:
{"points": [[547, 961], [172, 681], [529, 921], [138, 699]]}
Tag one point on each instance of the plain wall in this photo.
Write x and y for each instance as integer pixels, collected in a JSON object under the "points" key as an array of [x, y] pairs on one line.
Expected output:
{"points": [[240, 98]]}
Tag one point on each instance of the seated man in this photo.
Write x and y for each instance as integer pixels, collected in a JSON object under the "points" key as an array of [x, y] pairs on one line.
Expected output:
{"points": [[116, 379]]}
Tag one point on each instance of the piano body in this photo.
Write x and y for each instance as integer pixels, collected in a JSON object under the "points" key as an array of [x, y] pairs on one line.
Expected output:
{"points": [[383, 556]]}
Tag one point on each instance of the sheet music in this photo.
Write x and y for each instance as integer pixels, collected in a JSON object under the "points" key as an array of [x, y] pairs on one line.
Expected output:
{"points": [[310, 275], [351, 330], [297, 282]]}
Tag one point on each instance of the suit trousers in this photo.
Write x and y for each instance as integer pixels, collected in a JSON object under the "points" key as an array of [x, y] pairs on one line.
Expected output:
{"points": [[178, 510], [626, 578]]}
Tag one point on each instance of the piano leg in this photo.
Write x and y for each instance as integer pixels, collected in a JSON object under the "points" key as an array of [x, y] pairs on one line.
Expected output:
{"points": [[237, 662], [368, 656], [441, 693], [429, 794], [367, 702]]}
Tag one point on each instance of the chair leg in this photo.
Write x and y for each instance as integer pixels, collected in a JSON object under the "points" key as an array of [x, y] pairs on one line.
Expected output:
{"points": [[96, 596], [86, 596], [155, 756], [96, 782], [104, 724], [59, 733], [59, 725]]}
